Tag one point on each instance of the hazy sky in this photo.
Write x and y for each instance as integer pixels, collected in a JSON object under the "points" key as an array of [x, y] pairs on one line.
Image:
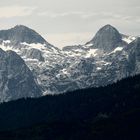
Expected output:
{"points": [[67, 22]]}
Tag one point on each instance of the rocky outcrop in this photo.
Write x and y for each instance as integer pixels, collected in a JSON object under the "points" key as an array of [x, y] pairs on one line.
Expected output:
{"points": [[16, 80]]}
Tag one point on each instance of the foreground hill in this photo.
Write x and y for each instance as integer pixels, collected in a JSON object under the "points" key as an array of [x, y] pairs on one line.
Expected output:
{"points": [[110, 112]]}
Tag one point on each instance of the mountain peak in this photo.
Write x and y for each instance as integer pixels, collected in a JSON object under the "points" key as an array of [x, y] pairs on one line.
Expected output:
{"points": [[108, 26], [21, 33], [20, 26], [107, 38]]}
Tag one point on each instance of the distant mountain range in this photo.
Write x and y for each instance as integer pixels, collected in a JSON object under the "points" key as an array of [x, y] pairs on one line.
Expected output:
{"points": [[32, 67]]}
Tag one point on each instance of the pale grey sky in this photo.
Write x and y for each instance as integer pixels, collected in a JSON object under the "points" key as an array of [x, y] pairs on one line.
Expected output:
{"points": [[67, 22]]}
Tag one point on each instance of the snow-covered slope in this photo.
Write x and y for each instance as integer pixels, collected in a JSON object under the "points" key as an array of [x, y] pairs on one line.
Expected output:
{"points": [[128, 39], [108, 57]]}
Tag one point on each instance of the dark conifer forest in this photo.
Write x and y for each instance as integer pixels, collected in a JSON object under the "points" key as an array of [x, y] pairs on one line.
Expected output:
{"points": [[105, 113]]}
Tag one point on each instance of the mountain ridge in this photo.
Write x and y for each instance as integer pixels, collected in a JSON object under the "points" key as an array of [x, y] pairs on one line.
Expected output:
{"points": [[109, 57]]}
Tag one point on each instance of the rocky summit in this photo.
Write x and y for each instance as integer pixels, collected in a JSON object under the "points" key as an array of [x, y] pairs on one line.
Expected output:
{"points": [[107, 38], [20, 34]]}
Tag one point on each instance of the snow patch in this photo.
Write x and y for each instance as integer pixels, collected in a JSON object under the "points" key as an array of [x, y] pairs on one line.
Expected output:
{"points": [[99, 68], [92, 52], [89, 45], [129, 39], [64, 71], [118, 49], [38, 46], [6, 41], [103, 63], [7, 48]]}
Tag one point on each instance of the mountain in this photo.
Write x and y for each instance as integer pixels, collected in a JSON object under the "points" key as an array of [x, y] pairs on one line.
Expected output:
{"points": [[20, 34], [39, 55], [105, 59], [110, 112], [16, 80], [108, 57], [107, 39]]}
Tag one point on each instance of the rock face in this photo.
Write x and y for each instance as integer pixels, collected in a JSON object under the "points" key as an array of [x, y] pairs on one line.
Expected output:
{"points": [[33, 54], [134, 54], [16, 80], [107, 38]]}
